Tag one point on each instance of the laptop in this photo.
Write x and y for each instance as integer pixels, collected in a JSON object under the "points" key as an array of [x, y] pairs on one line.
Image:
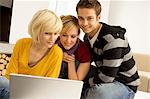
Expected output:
{"points": [[35, 87]]}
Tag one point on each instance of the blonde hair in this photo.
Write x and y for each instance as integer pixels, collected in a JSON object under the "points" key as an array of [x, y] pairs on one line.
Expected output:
{"points": [[69, 22], [44, 21]]}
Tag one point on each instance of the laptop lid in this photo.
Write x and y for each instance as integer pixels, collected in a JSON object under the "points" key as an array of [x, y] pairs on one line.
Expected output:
{"points": [[35, 87]]}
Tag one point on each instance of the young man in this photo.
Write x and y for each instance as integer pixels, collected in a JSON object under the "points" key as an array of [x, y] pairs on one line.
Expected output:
{"points": [[117, 76]]}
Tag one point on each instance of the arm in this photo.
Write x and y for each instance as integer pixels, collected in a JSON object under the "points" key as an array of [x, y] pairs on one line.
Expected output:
{"points": [[81, 71], [113, 54], [13, 63], [55, 62]]}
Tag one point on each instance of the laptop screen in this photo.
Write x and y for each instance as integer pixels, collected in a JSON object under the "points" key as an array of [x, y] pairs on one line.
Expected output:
{"points": [[34, 87]]}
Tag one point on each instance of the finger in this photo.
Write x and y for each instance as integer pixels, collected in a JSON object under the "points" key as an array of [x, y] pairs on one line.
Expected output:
{"points": [[70, 59], [65, 60]]}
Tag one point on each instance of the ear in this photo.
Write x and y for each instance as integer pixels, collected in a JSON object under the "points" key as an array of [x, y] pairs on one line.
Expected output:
{"points": [[98, 17]]}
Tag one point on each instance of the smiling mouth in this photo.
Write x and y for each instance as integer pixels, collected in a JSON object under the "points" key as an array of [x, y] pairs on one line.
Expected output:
{"points": [[51, 42], [68, 45], [85, 28]]}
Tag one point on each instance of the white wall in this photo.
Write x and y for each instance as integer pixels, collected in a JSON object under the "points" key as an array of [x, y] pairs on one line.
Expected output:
{"points": [[65, 7], [23, 11], [133, 15], [149, 28]]}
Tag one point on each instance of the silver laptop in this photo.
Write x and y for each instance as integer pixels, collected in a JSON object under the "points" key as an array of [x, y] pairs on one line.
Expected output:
{"points": [[34, 87]]}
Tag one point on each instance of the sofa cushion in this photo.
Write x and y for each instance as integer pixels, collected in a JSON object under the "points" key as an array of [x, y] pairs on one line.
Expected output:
{"points": [[145, 80], [149, 85], [142, 61]]}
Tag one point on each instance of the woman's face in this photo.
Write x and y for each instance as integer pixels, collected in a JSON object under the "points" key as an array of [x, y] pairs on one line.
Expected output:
{"points": [[69, 38], [48, 39]]}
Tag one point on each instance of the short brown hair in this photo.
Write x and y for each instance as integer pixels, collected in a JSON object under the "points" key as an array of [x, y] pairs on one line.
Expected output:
{"points": [[94, 4]]}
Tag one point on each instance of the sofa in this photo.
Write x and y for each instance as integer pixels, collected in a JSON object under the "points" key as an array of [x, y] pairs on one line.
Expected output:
{"points": [[143, 64]]}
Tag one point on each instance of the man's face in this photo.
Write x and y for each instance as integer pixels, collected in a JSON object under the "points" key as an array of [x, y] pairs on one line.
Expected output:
{"points": [[88, 20]]}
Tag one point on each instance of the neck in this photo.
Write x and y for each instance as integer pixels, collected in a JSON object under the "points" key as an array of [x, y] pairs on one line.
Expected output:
{"points": [[38, 48], [91, 35], [71, 50]]}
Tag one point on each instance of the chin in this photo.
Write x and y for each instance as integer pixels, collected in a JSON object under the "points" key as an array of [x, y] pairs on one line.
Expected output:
{"points": [[86, 31], [67, 48], [49, 46]]}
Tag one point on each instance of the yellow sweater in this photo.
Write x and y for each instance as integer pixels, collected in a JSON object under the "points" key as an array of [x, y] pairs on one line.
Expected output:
{"points": [[49, 66]]}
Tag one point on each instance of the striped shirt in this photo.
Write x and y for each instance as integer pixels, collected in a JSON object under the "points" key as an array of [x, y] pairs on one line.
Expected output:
{"points": [[113, 57]]}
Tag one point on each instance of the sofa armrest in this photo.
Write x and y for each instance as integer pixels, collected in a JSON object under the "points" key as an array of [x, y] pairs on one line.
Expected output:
{"points": [[149, 84], [145, 81], [142, 61]]}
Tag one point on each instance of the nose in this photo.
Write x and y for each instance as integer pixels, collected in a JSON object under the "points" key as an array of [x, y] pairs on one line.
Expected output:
{"points": [[68, 40], [85, 22], [52, 37]]}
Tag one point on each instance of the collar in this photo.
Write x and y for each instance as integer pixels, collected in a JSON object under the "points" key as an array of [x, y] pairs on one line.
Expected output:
{"points": [[70, 51], [93, 39]]}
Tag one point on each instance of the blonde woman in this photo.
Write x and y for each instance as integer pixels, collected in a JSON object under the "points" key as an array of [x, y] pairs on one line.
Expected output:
{"points": [[76, 55], [38, 55]]}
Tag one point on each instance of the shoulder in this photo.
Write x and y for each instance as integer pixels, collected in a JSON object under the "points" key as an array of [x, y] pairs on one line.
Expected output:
{"points": [[82, 44], [113, 35], [57, 49], [114, 31], [83, 48], [83, 53], [113, 28], [24, 40]]}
